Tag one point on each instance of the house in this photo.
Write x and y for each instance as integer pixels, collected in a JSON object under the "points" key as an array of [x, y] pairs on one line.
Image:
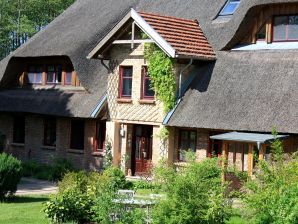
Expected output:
{"points": [[83, 81]]}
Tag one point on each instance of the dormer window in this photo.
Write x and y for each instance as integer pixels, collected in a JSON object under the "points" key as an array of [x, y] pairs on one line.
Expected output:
{"points": [[229, 8], [54, 74], [35, 74], [285, 28]]}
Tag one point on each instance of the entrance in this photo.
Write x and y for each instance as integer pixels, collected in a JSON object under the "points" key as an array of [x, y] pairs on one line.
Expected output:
{"points": [[142, 149]]}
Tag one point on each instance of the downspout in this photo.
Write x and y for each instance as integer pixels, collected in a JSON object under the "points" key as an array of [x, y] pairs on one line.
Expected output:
{"points": [[180, 77]]}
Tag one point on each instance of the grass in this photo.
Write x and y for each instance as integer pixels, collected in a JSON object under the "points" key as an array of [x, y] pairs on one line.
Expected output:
{"points": [[23, 210]]}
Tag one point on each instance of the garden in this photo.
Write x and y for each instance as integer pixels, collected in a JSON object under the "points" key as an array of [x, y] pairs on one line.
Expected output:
{"points": [[194, 194]]}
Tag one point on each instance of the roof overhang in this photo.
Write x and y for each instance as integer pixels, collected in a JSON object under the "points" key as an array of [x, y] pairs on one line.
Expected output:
{"points": [[248, 137], [144, 26], [99, 107]]}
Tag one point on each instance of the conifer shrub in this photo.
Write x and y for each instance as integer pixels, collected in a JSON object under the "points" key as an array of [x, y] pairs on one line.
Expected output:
{"points": [[10, 175]]}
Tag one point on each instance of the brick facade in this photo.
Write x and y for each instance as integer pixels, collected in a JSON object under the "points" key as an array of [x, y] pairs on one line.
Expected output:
{"points": [[33, 148]]}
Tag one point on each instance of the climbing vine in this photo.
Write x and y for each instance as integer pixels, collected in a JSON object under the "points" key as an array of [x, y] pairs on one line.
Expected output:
{"points": [[161, 72]]}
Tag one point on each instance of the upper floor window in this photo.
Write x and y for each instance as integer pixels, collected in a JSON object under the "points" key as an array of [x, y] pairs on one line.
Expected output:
{"points": [[187, 141], [68, 75], [49, 132], [285, 28], [147, 91], [35, 74], [54, 74], [18, 129], [230, 7], [126, 81]]}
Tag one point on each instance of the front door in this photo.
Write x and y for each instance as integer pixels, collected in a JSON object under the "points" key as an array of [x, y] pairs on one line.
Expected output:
{"points": [[142, 150]]}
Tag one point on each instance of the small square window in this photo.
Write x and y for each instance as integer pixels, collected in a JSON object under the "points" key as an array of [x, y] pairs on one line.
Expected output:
{"points": [[230, 7]]}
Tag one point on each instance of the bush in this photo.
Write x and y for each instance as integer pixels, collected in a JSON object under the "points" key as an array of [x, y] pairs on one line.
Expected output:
{"points": [[10, 175], [54, 172], [272, 196], [142, 185], [76, 197], [195, 194], [117, 176]]}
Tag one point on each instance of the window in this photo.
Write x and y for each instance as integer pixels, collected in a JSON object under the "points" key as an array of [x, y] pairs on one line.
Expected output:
{"points": [[147, 92], [77, 134], [19, 129], [125, 81], [230, 7], [285, 28], [68, 75], [261, 35], [54, 74], [35, 74], [49, 132], [99, 141], [187, 141]]}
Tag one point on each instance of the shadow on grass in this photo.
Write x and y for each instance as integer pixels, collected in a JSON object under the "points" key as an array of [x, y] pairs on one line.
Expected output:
{"points": [[26, 199]]}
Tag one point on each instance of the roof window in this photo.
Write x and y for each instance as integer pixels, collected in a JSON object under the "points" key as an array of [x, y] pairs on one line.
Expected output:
{"points": [[229, 8]]}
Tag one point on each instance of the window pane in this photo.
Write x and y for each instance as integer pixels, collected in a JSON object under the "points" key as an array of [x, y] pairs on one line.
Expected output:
{"points": [[31, 77], [126, 87], [68, 77], [293, 28], [50, 132], [280, 27], [59, 74], [230, 7], [193, 146], [100, 135], [147, 88], [19, 129], [51, 77], [184, 135], [38, 78], [193, 136], [262, 33], [77, 134], [127, 72]]}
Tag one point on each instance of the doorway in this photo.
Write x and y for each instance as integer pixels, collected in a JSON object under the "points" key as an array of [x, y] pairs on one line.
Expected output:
{"points": [[142, 149]]}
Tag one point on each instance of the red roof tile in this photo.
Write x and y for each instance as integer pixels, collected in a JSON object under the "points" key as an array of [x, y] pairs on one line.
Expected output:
{"points": [[185, 36]]}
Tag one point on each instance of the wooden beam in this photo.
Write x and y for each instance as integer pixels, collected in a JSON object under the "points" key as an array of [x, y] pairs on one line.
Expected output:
{"points": [[262, 151], [225, 155], [132, 34], [135, 41], [250, 159]]}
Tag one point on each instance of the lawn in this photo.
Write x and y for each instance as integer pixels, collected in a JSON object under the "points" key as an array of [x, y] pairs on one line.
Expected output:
{"points": [[23, 210]]}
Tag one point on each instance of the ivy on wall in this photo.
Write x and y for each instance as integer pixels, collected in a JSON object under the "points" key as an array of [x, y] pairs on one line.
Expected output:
{"points": [[161, 72]]}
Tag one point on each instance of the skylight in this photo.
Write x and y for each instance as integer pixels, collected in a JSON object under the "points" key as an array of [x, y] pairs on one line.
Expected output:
{"points": [[230, 7]]}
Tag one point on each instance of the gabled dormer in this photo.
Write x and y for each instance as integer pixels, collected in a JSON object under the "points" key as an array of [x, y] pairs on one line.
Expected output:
{"points": [[131, 96], [275, 27]]}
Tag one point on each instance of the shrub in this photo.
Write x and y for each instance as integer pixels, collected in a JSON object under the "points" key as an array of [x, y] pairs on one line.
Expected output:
{"points": [[195, 194], [76, 197], [272, 196], [10, 174], [142, 185], [117, 177], [53, 172]]}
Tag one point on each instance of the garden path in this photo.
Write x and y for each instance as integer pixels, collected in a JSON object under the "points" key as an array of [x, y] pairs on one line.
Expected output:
{"points": [[30, 186]]}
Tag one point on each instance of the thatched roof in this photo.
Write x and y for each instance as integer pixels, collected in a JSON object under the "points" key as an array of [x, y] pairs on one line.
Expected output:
{"points": [[235, 97]]}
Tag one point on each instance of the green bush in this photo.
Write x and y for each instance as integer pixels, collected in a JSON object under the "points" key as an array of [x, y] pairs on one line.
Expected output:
{"points": [[10, 174], [76, 197], [53, 172], [272, 196], [117, 176], [195, 194], [142, 185]]}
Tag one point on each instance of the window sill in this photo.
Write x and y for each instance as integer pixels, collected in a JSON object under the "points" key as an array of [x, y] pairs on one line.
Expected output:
{"points": [[75, 151], [45, 147], [147, 101], [18, 144], [121, 100], [98, 153]]}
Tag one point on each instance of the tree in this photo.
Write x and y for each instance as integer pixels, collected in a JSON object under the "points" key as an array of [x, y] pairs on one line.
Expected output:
{"points": [[21, 19]]}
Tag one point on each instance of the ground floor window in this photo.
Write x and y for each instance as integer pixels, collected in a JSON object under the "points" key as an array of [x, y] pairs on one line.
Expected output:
{"points": [[49, 132], [187, 141], [100, 137], [77, 131], [238, 155], [19, 129]]}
